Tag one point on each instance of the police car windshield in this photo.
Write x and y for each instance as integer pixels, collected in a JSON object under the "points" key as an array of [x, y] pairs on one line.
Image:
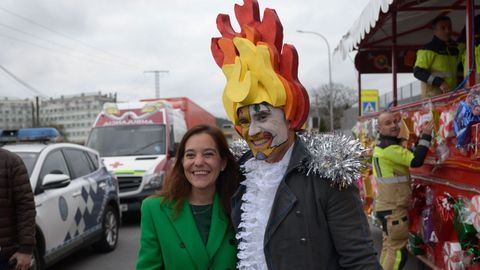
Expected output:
{"points": [[29, 159], [128, 140]]}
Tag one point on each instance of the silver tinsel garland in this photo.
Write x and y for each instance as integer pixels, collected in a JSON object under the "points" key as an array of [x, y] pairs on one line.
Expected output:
{"points": [[333, 156], [238, 147]]}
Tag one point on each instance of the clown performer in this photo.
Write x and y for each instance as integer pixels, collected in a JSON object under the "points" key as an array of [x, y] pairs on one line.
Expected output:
{"points": [[298, 206]]}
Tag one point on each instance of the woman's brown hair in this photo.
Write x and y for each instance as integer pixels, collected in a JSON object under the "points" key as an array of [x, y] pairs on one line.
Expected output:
{"points": [[176, 187]]}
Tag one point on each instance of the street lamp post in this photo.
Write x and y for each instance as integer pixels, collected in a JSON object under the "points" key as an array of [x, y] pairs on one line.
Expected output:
{"points": [[329, 73]]}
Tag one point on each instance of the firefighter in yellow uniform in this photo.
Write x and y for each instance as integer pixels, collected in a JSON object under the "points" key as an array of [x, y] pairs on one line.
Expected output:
{"points": [[437, 62], [391, 163]]}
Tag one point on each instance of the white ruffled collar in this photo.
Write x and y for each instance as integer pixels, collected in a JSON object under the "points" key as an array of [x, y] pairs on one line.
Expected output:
{"points": [[262, 181]]}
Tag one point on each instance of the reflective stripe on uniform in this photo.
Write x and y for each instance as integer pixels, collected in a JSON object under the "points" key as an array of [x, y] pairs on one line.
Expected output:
{"points": [[424, 143], [392, 180], [443, 74], [439, 74], [377, 167], [398, 260]]}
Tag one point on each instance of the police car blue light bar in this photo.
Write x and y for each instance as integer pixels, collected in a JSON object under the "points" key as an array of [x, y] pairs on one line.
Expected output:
{"points": [[29, 134], [37, 134]]}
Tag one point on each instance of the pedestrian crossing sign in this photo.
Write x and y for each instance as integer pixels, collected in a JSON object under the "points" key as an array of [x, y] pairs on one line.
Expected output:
{"points": [[369, 101], [369, 107]]}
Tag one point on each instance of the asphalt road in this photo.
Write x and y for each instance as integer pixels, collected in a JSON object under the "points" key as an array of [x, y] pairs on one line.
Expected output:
{"points": [[125, 255]]}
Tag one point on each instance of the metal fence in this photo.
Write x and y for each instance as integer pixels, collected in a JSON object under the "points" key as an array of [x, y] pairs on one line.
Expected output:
{"points": [[405, 94]]}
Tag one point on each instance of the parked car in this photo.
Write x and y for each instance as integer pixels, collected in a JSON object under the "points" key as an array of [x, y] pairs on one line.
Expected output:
{"points": [[76, 197]]}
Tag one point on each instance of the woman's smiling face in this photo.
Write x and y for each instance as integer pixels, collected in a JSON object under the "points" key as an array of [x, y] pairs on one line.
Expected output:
{"points": [[202, 162]]}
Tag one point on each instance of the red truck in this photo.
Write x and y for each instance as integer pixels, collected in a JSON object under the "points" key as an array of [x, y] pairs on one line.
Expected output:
{"points": [[194, 114]]}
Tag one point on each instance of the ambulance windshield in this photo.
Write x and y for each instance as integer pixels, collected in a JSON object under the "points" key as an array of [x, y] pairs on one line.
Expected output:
{"points": [[134, 140]]}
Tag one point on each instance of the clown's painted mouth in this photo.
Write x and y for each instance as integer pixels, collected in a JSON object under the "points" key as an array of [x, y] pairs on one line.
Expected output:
{"points": [[260, 142], [263, 140]]}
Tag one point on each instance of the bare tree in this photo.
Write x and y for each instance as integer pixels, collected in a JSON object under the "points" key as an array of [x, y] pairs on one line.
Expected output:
{"points": [[343, 98]]}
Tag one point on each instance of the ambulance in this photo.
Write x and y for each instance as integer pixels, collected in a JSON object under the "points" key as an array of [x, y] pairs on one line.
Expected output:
{"points": [[136, 141]]}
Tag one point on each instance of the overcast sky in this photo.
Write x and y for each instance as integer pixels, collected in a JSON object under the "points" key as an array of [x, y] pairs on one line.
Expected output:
{"points": [[68, 47]]}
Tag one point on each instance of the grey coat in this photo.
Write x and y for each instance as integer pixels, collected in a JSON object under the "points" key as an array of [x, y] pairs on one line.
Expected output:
{"points": [[313, 225]]}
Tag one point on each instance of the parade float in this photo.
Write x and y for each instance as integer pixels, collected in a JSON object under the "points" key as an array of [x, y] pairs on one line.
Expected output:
{"points": [[445, 207]]}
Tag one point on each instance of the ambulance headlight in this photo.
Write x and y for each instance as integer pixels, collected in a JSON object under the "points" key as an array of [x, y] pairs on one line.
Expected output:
{"points": [[153, 181]]}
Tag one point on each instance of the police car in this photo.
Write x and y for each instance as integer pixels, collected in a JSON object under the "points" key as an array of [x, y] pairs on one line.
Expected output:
{"points": [[76, 198]]}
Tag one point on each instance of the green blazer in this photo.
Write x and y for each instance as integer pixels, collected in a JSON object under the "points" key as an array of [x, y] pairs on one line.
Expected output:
{"points": [[170, 241]]}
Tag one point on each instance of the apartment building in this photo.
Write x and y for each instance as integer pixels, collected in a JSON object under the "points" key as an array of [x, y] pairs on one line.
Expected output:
{"points": [[73, 115], [16, 113]]}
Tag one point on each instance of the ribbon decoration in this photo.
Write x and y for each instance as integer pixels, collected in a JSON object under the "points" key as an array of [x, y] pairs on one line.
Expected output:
{"points": [[453, 256], [444, 204], [443, 216], [465, 232], [419, 121], [415, 244], [446, 124], [474, 216]]}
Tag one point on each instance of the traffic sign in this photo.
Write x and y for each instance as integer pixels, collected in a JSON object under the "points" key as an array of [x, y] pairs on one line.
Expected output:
{"points": [[369, 101]]}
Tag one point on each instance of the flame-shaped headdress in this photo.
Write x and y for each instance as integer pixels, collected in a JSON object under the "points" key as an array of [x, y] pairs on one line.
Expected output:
{"points": [[256, 66]]}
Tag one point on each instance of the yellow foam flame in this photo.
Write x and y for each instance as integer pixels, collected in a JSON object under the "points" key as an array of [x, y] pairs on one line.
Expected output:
{"points": [[251, 79]]}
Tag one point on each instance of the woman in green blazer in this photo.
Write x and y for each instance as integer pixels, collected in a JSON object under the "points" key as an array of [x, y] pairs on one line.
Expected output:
{"points": [[187, 225]]}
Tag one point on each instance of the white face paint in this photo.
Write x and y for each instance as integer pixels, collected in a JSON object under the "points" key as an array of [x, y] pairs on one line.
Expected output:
{"points": [[264, 127]]}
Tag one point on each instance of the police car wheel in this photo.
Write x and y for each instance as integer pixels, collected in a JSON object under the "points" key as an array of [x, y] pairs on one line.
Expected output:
{"points": [[110, 228]]}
